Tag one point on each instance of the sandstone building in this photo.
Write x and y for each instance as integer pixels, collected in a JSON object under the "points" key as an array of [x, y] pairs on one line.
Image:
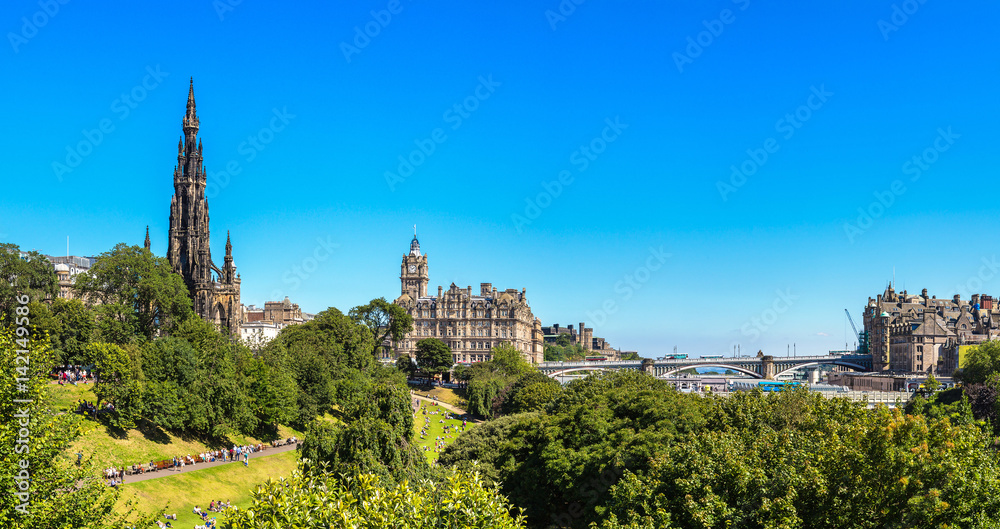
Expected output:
{"points": [[920, 334], [215, 291], [470, 323]]}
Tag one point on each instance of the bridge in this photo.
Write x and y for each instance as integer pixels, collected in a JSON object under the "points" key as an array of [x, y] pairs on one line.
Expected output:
{"points": [[769, 367]]}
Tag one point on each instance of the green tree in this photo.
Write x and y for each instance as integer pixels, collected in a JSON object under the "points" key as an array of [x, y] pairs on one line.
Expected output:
{"points": [[559, 463], [835, 465], [931, 384], [313, 500], [384, 320], [118, 381], [531, 392], [138, 291], [405, 365], [433, 356], [982, 362], [61, 494], [32, 275], [508, 360], [75, 329]]}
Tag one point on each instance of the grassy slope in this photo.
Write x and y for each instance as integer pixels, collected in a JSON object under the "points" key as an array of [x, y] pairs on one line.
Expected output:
{"points": [[435, 429], [136, 446], [455, 397], [64, 398], [231, 483]]}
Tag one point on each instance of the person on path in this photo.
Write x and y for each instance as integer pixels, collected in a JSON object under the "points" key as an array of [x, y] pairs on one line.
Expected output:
{"points": [[246, 459]]}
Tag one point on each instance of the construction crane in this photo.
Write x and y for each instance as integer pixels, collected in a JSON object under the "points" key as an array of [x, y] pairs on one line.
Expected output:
{"points": [[850, 319]]}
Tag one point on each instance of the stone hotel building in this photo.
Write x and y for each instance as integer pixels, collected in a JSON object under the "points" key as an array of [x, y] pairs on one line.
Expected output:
{"points": [[470, 323]]}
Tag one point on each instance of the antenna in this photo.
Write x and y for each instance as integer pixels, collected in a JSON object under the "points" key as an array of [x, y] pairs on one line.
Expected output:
{"points": [[414, 230], [67, 247]]}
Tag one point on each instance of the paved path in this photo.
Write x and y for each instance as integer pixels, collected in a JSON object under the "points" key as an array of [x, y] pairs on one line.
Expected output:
{"points": [[201, 466]]}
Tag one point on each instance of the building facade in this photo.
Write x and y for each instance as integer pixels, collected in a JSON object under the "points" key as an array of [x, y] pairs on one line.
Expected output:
{"points": [[261, 325], [921, 334], [215, 291], [582, 336], [471, 324]]}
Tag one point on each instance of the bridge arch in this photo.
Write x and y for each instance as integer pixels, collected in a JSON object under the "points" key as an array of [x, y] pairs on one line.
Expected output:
{"points": [[723, 366], [852, 365], [555, 374]]}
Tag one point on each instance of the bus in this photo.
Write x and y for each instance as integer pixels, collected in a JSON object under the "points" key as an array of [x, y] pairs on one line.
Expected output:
{"points": [[596, 358], [679, 356], [706, 357]]}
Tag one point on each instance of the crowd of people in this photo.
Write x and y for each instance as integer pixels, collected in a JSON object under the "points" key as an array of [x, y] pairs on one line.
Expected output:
{"points": [[72, 375], [115, 476]]}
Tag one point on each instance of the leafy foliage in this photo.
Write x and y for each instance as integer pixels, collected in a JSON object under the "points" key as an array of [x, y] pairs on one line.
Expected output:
{"points": [[796, 459], [314, 500], [506, 384], [71, 328], [564, 353], [433, 356], [139, 293], [61, 494], [559, 464], [384, 320], [32, 276], [983, 362]]}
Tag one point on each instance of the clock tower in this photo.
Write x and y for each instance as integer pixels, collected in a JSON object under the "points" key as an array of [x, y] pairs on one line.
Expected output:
{"points": [[413, 275]]}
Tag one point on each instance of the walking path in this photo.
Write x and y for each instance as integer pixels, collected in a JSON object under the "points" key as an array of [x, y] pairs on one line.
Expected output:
{"points": [[201, 466]]}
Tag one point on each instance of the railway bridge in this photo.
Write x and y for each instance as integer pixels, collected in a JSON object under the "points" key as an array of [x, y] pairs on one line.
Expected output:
{"points": [[769, 367]]}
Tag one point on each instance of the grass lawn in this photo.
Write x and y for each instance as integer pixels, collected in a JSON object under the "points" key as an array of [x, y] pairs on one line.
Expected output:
{"points": [[232, 483], [455, 397], [435, 429], [64, 397]]}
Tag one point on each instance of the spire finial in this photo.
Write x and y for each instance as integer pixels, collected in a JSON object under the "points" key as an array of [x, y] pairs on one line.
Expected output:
{"points": [[191, 116], [147, 237], [229, 245]]}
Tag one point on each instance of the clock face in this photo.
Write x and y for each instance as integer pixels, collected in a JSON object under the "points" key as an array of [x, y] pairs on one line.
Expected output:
{"points": [[413, 268]]}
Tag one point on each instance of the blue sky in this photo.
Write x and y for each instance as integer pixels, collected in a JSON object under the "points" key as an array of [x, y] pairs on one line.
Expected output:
{"points": [[839, 97]]}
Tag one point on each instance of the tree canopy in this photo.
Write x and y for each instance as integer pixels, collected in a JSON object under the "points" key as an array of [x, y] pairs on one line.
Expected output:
{"points": [[312, 500], [139, 292], [982, 362], [32, 275], [433, 356], [383, 320], [624, 450]]}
